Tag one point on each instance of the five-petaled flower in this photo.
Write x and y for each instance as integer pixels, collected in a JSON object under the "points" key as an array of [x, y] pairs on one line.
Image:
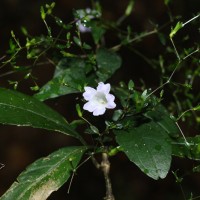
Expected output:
{"points": [[99, 99]]}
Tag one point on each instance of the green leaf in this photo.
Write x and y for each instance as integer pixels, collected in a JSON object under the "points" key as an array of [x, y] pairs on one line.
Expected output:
{"points": [[45, 176], [130, 7], [167, 2], [190, 150], [22, 110], [107, 62], [160, 116], [147, 143], [69, 77], [147, 147], [174, 30], [97, 31]]}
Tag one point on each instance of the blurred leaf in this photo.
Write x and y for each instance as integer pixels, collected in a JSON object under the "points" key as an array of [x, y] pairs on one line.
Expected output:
{"points": [[190, 150], [22, 110], [130, 7], [97, 31], [147, 146], [42, 13], [69, 77], [167, 2], [77, 41], [131, 85], [45, 175], [107, 62], [174, 30]]}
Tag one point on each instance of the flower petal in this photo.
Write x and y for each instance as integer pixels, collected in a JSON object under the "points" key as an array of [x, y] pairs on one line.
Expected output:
{"points": [[105, 88], [89, 93], [99, 111], [111, 105], [110, 97], [89, 106]]}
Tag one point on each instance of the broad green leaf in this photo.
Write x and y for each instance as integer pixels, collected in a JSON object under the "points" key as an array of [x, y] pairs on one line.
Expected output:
{"points": [[160, 116], [69, 77], [147, 146], [45, 175], [107, 62], [190, 150], [22, 110], [147, 143]]}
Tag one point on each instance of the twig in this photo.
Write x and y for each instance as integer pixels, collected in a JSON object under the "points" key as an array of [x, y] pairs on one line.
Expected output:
{"points": [[105, 167]]}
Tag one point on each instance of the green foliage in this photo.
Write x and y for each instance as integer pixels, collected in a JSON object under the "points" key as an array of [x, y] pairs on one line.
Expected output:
{"points": [[147, 143], [22, 110], [174, 30], [145, 123], [69, 77], [107, 63], [45, 175]]}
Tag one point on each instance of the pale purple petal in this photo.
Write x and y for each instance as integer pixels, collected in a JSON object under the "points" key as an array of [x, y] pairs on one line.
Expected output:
{"points": [[89, 106], [111, 105], [99, 111], [105, 88], [89, 93], [82, 28], [110, 97]]}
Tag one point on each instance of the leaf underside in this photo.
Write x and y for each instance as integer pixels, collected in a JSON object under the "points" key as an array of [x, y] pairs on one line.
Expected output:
{"points": [[45, 175]]}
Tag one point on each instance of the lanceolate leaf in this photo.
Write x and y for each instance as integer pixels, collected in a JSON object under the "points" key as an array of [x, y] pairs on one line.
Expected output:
{"points": [[22, 110], [45, 175]]}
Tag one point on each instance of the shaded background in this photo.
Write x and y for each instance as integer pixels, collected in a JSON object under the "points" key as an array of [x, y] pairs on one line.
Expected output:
{"points": [[21, 146]]}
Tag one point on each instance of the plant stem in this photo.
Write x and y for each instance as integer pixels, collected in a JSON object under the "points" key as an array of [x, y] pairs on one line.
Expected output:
{"points": [[105, 166]]}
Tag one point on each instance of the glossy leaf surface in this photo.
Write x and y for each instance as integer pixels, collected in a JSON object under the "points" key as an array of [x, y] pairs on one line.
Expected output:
{"points": [[107, 62], [22, 110]]}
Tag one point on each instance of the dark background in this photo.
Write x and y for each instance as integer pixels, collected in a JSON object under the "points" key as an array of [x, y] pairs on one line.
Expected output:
{"points": [[20, 146]]}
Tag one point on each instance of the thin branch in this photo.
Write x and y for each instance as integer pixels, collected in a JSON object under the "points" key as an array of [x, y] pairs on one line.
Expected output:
{"points": [[105, 167]]}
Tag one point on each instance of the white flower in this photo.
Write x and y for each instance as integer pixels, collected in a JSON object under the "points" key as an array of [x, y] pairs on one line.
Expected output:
{"points": [[99, 99], [85, 16]]}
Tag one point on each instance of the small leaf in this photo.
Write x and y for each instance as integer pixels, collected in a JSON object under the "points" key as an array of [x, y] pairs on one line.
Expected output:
{"points": [[196, 108], [78, 110], [97, 31], [42, 12], [190, 150], [108, 62], [45, 175], [174, 30], [22, 110], [77, 41], [131, 85], [167, 2], [130, 7]]}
